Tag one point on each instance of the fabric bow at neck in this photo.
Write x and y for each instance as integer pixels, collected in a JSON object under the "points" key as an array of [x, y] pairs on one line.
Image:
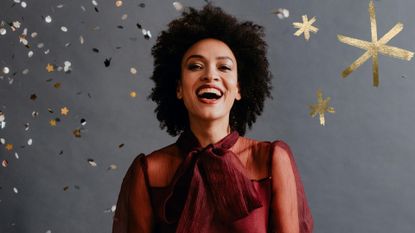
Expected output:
{"points": [[214, 185]]}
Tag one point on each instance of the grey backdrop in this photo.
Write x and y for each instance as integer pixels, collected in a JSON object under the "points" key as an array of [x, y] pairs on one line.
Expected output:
{"points": [[357, 170]]}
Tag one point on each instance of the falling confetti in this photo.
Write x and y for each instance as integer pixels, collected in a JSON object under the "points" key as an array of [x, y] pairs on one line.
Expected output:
{"points": [[305, 27], [48, 19], [64, 111], [133, 94], [9, 146], [121, 145], [83, 122], [281, 13], [77, 133], [112, 167], [133, 70], [321, 107], [92, 162], [52, 122], [375, 47], [178, 6], [30, 142], [107, 62], [50, 67], [67, 66], [64, 29], [112, 209], [5, 163], [6, 70], [118, 3], [15, 190]]}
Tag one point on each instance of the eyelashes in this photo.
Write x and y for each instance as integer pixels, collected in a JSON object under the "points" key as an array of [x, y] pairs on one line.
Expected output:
{"points": [[196, 67]]}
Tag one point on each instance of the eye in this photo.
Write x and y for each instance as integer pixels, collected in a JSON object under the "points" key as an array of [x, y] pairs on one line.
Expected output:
{"points": [[225, 68], [194, 66]]}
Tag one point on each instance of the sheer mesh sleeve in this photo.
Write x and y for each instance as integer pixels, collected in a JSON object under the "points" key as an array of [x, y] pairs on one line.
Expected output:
{"points": [[134, 213], [289, 208]]}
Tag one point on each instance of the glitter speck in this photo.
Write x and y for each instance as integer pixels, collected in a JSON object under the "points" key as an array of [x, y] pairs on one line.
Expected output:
{"points": [[178, 6], [48, 19], [118, 3], [64, 29]]}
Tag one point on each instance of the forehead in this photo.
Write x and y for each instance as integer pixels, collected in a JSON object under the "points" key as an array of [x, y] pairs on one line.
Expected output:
{"points": [[210, 48]]}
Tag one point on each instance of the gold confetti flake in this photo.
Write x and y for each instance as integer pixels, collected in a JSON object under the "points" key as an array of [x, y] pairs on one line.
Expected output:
{"points": [[133, 94], [64, 111], [57, 85], [50, 68], [9, 146], [77, 133], [321, 107], [52, 122], [305, 27], [375, 47]]}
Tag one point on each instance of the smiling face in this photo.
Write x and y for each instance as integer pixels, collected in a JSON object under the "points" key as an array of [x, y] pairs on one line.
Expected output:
{"points": [[209, 81]]}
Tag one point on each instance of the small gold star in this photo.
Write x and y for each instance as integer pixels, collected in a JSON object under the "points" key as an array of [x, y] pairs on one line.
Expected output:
{"points": [[64, 111], [133, 94], [321, 107], [375, 47], [50, 68], [52, 122], [305, 27], [9, 147]]}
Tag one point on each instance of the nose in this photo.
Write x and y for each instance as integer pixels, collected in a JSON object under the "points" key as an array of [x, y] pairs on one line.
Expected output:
{"points": [[210, 75]]}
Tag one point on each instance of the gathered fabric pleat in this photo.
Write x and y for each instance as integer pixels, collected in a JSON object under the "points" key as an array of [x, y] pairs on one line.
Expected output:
{"points": [[206, 173]]}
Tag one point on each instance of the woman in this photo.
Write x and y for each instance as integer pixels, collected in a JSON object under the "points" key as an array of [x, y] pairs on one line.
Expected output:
{"points": [[211, 79]]}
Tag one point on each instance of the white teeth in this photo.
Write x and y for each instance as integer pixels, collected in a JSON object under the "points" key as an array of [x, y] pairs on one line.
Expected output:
{"points": [[209, 90]]}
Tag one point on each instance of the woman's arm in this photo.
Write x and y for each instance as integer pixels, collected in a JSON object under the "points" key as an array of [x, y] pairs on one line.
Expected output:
{"points": [[134, 213], [289, 208]]}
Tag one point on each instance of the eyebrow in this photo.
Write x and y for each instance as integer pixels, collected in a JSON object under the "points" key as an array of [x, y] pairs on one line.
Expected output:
{"points": [[200, 56]]}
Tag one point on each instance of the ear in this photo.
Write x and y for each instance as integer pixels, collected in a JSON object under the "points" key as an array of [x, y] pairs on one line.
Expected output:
{"points": [[238, 95], [179, 91]]}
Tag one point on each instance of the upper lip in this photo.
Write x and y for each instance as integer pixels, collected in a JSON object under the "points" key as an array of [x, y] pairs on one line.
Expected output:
{"points": [[209, 86]]}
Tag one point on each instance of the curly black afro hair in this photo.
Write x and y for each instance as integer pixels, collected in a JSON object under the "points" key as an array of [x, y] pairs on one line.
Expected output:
{"points": [[245, 39]]}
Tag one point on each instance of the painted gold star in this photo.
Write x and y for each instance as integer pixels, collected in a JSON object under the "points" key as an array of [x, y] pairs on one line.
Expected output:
{"points": [[52, 122], [50, 68], [375, 47], [64, 111], [9, 147], [305, 27], [321, 107]]}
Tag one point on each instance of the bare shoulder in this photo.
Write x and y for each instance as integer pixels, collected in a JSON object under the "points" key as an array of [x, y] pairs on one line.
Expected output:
{"points": [[281, 153], [162, 164], [254, 155]]}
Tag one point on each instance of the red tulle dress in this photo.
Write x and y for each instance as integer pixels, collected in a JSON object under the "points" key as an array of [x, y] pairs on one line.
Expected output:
{"points": [[235, 185]]}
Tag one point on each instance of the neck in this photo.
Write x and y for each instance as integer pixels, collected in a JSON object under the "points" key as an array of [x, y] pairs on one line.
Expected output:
{"points": [[209, 132]]}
